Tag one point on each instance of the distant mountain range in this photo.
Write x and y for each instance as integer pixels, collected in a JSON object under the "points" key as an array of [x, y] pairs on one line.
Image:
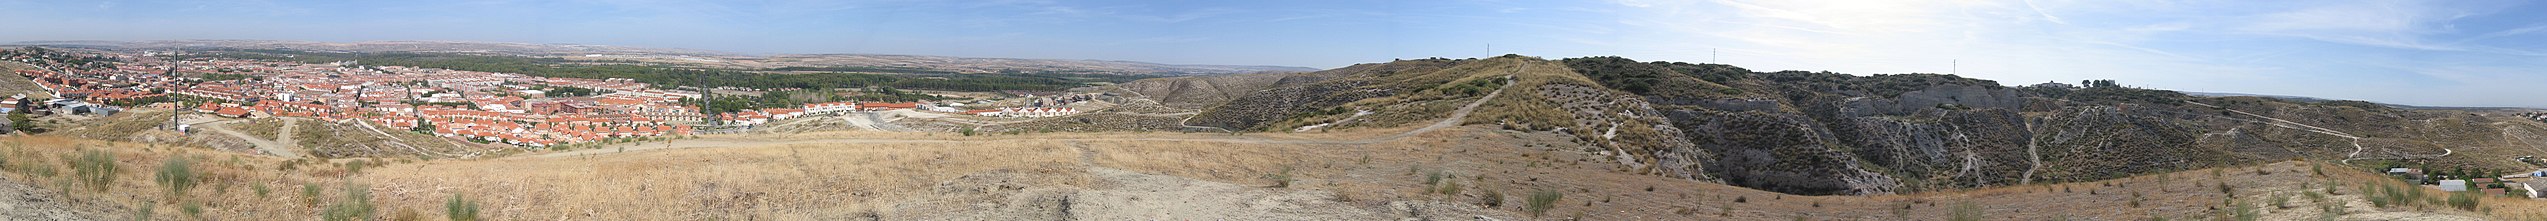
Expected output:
{"points": [[704, 58], [2315, 100]]}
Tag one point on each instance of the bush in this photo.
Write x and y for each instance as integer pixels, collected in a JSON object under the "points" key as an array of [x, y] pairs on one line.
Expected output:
{"points": [[261, 191], [355, 167], [192, 210], [1450, 188], [147, 210], [1281, 178], [309, 195], [2135, 200], [2281, 201], [2225, 189], [2464, 200], [1541, 201], [96, 168], [178, 174], [407, 214], [1493, 199], [2243, 212], [460, 209], [1433, 178], [1965, 211], [356, 205]]}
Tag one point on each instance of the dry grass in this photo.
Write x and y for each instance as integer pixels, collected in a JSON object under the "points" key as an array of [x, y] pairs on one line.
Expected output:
{"points": [[833, 181]]}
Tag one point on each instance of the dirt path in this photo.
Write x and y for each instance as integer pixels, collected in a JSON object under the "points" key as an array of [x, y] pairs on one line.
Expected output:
{"points": [[2031, 157], [291, 128], [262, 145], [2356, 140]]}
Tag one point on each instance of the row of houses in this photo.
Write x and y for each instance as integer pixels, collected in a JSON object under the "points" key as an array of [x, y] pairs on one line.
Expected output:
{"points": [[765, 115], [1025, 112]]}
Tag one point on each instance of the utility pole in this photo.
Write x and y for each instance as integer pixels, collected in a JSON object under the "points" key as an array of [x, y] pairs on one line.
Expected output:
{"points": [[174, 108], [1955, 66]]}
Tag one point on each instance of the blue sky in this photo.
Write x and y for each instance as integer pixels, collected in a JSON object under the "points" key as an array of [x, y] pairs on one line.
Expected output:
{"points": [[2458, 53]]}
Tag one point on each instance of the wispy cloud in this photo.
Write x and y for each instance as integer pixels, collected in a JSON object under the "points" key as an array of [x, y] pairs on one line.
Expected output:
{"points": [[2219, 46]]}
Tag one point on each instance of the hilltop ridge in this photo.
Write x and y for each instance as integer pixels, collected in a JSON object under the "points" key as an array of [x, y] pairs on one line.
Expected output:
{"points": [[1822, 133]]}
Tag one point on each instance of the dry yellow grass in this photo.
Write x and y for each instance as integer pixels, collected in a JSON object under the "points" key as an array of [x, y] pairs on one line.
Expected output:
{"points": [[815, 180]]}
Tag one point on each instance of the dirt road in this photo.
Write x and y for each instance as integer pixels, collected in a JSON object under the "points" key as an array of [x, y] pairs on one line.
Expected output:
{"points": [[271, 147]]}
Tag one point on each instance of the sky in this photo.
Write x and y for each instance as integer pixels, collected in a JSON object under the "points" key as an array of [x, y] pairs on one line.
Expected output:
{"points": [[2444, 53]]}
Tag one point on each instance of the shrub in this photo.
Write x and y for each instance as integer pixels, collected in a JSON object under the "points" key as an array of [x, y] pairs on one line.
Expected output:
{"points": [[1450, 188], [2319, 168], [460, 209], [356, 205], [192, 210], [355, 167], [1433, 178], [2135, 200], [407, 214], [96, 168], [2225, 189], [2412, 193], [178, 174], [261, 191], [309, 195], [1281, 178], [1493, 199], [2464, 201], [2281, 201], [2243, 212], [1965, 211], [1541, 201], [146, 211]]}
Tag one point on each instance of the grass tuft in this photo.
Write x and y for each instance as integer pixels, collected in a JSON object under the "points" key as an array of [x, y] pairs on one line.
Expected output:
{"points": [[1541, 201], [178, 174], [460, 208]]}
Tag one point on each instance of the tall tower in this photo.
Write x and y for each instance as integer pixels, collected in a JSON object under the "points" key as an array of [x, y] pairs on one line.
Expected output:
{"points": [[174, 108]]}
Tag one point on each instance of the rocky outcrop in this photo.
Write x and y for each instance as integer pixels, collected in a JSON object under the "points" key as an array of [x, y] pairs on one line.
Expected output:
{"points": [[1292, 95], [1634, 133], [1203, 91]]}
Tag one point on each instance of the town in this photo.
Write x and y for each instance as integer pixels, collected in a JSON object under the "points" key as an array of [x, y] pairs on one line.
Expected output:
{"points": [[484, 107]]}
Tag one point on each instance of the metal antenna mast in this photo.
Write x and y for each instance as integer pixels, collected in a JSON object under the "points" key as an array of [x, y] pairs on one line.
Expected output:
{"points": [[175, 108]]}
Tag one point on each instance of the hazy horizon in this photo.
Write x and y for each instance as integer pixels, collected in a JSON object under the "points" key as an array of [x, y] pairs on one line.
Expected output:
{"points": [[2430, 53]]}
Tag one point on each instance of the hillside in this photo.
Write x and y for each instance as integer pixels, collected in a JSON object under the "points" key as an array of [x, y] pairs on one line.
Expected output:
{"points": [[1504, 138], [13, 84], [1462, 173], [1821, 133]]}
